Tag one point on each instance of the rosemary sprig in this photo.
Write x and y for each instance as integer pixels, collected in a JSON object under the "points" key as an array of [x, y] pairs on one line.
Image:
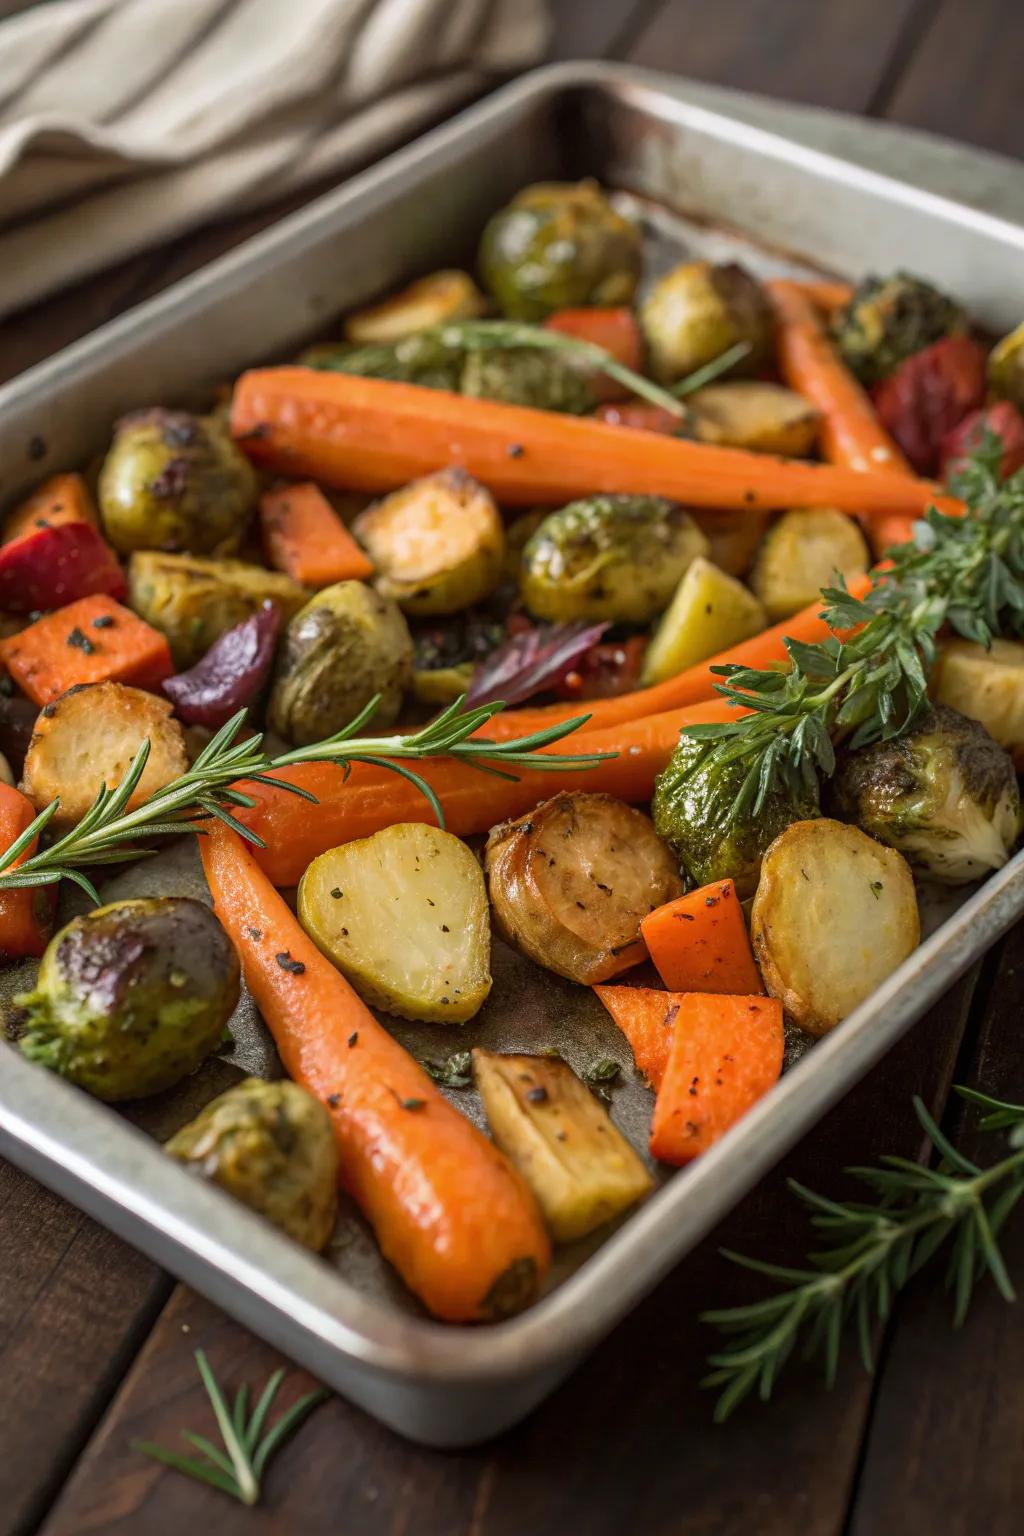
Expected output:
{"points": [[871, 1250], [238, 1468], [107, 832]]}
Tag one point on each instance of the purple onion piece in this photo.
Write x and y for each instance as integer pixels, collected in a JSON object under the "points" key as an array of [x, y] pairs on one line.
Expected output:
{"points": [[532, 661], [230, 675]]}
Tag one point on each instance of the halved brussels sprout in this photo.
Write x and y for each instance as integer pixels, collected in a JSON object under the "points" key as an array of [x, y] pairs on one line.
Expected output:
{"points": [[272, 1146], [698, 311], [429, 301], [1006, 368], [193, 601], [889, 319], [557, 245], [618, 558], [173, 481], [132, 997], [347, 644]]}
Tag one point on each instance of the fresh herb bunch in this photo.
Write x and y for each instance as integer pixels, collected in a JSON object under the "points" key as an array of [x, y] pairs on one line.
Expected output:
{"points": [[964, 572], [872, 1250], [107, 832]]}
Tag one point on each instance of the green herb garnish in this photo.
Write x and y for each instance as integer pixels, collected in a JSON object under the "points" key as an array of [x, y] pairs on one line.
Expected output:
{"points": [[456, 1071]]}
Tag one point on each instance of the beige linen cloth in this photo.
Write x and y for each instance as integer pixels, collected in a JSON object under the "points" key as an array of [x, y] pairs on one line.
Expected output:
{"points": [[124, 123]]}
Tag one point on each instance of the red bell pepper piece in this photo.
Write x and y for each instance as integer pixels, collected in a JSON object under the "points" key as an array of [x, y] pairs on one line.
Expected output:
{"points": [[928, 395]]}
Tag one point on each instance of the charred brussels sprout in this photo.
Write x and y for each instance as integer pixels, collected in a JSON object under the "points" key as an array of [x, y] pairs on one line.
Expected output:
{"points": [[698, 311], [618, 558], [176, 482], [559, 244], [692, 813], [272, 1146], [132, 997], [1006, 368], [193, 601], [889, 319], [347, 644], [944, 794]]}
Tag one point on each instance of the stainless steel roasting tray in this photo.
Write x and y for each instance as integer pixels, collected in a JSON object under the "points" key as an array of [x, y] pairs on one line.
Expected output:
{"points": [[699, 180]]}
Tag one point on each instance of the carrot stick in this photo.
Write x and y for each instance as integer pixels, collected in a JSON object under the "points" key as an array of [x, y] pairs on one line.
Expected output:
{"points": [[92, 641], [296, 832], [373, 435], [61, 499], [304, 537], [699, 942], [825, 295], [726, 1052], [448, 1210], [616, 330], [646, 1016], [26, 917]]}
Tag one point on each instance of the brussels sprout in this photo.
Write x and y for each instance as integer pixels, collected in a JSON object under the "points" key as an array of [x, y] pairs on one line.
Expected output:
{"points": [[692, 812], [889, 319], [944, 794], [272, 1146], [618, 558], [1006, 368], [132, 997], [556, 245], [193, 601], [445, 656], [698, 311], [174, 481], [347, 644]]}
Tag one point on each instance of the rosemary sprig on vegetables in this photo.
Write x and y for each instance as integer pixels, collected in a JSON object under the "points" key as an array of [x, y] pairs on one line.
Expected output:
{"points": [[967, 573], [238, 1468], [872, 1250], [107, 832]]}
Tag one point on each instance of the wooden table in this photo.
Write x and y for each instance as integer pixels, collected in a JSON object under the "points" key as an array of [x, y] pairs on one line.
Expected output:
{"points": [[96, 1344]]}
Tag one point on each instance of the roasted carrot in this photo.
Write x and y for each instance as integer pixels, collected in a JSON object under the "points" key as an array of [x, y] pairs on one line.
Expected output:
{"points": [[646, 1016], [825, 295], [699, 942], [304, 537], [92, 641], [295, 832], [726, 1052], [61, 499], [448, 1210], [26, 917], [373, 435], [616, 330]]}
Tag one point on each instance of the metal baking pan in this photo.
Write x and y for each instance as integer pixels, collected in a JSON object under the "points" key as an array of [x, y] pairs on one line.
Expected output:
{"points": [[700, 181]]}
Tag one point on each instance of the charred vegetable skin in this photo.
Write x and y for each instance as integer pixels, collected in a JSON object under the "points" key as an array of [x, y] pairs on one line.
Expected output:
{"points": [[557, 245], [132, 997], [888, 320], [193, 601], [698, 311], [272, 1146], [174, 481]]}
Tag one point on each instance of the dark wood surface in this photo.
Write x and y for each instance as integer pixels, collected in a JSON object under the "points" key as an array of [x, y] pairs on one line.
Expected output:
{"points": [[96, 1345]]}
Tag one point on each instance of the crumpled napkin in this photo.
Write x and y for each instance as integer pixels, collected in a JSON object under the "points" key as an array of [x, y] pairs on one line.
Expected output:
{"points": [[125, 123]]}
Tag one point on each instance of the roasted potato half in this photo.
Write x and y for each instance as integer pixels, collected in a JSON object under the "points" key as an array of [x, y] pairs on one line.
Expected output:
{"points": [[986, 685], [432, 300], [801, 553], [404, 914], [581, 1169], [763, 418], [835, 913], [571, 881]]}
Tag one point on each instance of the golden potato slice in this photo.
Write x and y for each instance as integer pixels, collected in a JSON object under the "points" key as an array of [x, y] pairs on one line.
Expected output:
{"points": [[835, 913], [801, 553], [571, 881], [89, 736], [763, 418], [404, 914], [985, 685], [581, 1169], [432, 300], [709, 612]]}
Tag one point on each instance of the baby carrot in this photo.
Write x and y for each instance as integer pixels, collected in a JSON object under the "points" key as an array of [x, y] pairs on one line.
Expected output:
{"points": [[304, 537], [699, 942], [448, 1210]]}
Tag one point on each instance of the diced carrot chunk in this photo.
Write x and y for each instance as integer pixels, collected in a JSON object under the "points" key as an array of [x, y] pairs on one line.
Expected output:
{"points": [[304, 537], [699, 942], [95, 640]]}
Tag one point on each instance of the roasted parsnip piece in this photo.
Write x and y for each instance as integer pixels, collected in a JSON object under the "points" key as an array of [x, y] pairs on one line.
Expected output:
{"points": [[581, 1169]]}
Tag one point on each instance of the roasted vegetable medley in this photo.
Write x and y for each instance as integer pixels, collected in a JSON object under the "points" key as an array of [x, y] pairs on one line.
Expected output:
{"points": [[338, 627]]}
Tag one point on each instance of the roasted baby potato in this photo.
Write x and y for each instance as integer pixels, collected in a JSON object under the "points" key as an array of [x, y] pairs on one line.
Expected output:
{"points": [[618, 558], [709, 612], [763, 418], [272, 1146], [89, 736], [173, 481], [194, 601], [429, 301], [698, 311], [888, 319], [835, 913], [579, 1166], [437, 545], [571, 881], [557, 245], [802, 553], [404, 914], [985, 685], [348, 644], [132, 997], [1006, 368]]}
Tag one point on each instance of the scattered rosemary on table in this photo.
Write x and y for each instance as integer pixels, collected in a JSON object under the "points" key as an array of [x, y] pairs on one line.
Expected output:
{"points": [[239, 1467], [107, 832], [871, 1249]]}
